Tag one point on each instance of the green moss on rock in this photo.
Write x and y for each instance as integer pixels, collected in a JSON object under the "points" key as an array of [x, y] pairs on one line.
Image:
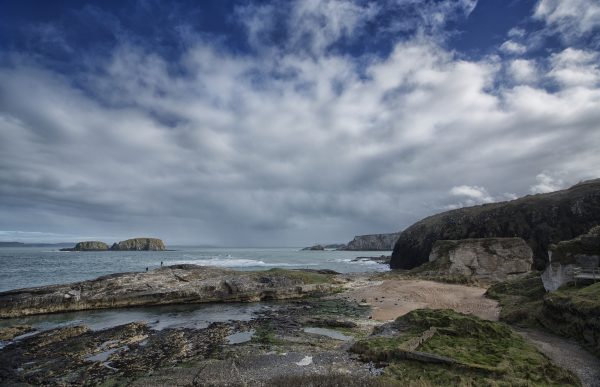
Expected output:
{"points": [[471, 352]]}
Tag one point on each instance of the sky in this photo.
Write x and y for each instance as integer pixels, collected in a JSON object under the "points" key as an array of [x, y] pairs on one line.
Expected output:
{"points": [[287, 123]]}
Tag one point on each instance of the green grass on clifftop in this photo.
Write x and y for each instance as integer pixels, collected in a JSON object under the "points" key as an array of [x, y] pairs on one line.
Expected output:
{"points": [[484, 353], [572, 311]]}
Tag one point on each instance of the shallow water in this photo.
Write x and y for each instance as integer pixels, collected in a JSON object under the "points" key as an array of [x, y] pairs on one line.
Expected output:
{"points": [[29, 267], [331, 333], [195, 316], [241, 337]]}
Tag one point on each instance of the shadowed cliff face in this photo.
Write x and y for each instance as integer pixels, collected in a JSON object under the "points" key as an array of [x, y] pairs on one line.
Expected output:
{"points": [[539, 219]]}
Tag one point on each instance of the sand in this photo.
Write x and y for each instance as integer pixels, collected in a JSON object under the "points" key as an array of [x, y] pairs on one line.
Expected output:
{"points": [[390, 299]]}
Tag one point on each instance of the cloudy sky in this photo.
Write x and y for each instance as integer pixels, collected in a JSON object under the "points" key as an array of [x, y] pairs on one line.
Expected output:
{"points": [[287, 122]]}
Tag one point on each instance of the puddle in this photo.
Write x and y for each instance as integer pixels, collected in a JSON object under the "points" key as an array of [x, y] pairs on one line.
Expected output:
{"points": [[240, 337], [104, 355], [329, 333]]}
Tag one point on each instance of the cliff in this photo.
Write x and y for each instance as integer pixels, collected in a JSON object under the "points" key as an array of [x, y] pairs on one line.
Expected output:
{"points": [[540, 220], [494, 259], [372, 242], [138, 244]]}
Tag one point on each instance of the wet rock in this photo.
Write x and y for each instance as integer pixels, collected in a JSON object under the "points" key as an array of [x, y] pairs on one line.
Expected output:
{"points": [[9, 333], [166, 285], [314, 248], [383, 259]]}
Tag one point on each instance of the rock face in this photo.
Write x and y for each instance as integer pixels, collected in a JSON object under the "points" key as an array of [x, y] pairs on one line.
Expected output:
{"points": [[372, 242], [140, 244], [566, 256], [539, 219], [495, 259], [166, 285]]}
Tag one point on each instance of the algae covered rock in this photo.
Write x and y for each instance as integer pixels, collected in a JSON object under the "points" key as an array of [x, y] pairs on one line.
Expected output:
{"points": [[539, 219], [140, 244], [493, 259]]}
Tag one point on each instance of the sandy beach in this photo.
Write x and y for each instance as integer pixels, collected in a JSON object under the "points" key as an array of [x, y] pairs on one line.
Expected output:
{"points": [[392, 298]]}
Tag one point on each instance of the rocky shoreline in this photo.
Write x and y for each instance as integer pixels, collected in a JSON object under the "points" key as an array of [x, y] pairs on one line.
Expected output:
{"points": [[319, 327], [167, 285]]}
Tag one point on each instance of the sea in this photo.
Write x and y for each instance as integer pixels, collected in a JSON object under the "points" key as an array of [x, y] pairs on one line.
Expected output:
{"points": [[25, 267]]}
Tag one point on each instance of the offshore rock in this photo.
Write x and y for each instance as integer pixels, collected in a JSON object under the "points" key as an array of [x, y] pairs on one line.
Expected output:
{"points": [[495, 259], [166, 285], [372, 242], [314, 248], [140, 244], [88, 246], [539, 219]]}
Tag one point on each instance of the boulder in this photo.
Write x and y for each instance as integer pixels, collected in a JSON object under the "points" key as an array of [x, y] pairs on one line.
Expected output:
{"points": [[494, 259], [540, 220], [140, 244]]}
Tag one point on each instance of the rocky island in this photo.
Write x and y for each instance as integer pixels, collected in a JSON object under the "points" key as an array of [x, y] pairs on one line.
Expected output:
{"points": [[135, 244]]}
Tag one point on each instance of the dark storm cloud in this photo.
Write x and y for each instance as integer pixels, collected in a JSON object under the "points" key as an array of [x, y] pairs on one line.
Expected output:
{"points": [[293, 142]]}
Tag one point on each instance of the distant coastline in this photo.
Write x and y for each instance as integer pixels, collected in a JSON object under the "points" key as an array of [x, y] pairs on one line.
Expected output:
{"points": [[22, 244]]}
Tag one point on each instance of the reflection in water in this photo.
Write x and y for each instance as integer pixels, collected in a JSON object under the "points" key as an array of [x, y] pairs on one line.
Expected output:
{"points": [[196, 316]]}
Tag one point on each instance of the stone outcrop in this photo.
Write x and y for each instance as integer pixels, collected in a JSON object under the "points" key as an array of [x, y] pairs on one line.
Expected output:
{"points": [[383, 259], [314, 248], [494, 259], [140, 244], [539, 219], [566, 257], [166, 285], [372, 242]]}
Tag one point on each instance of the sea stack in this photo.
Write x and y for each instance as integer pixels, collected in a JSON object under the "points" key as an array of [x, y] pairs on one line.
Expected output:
{"points": [[140, 244], [88, 246]]}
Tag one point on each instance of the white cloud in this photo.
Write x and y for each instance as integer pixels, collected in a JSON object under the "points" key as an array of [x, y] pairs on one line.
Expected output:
{"points": [[574, 67], [546, 183], [523, 71], [512, 47], [285, 146], [571, 19]]}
